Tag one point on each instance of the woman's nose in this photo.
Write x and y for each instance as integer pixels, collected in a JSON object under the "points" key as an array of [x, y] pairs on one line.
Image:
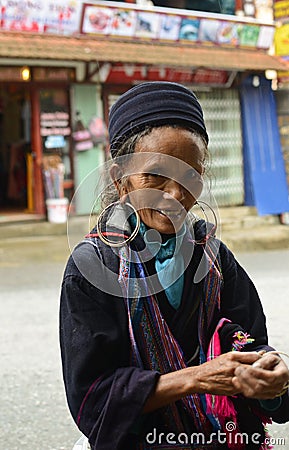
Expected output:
{"points": [[173, 190]]}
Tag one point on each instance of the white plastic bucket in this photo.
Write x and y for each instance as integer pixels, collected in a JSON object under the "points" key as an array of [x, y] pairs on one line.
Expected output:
{"points": [[57, 209]]}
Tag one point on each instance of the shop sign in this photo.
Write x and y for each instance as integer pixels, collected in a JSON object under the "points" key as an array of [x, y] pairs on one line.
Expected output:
{"points": [[281, 10], [282, 40], [10, 74], [54, 142], [128, 73], [15, 73], [53, 74], [70, 17], [40, 16], [54, 123], [210, 77], [101, 20]]}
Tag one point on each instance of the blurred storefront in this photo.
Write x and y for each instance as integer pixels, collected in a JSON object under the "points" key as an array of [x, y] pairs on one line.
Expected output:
{"points": [[42, 94], [35, 119], [86, 54]]}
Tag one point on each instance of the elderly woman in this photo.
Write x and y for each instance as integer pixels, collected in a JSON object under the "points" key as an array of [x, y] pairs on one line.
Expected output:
{"points": [[163, 336]]}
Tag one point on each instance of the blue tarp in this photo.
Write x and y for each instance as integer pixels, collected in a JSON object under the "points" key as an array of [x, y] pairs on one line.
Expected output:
{"points": [[264, 169]]}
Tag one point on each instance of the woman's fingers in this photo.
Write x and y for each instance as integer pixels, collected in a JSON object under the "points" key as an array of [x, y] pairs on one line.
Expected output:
{"points": [[244, 357], [261, 382], [236, 358], [215, 376], [268, 361], [249, 373]]}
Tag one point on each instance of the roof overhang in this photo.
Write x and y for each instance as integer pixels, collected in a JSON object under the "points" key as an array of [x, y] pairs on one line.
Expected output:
{"points": [[88, 49]]}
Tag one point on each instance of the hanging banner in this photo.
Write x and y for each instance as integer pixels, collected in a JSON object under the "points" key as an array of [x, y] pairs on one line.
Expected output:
{"points": [[169, 27], [70, 17], [123, 22], [23, 15], [282, 40], [128, 73], [281, 10], [40, 16], [101, 20], [62, 16]]}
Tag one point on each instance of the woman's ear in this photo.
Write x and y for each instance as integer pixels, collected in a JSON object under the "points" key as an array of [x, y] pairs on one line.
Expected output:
{"points": [[118, 179]]}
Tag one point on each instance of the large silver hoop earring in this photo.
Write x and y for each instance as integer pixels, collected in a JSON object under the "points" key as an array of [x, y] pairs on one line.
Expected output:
{"points": [[102, 235], [212, 231]]}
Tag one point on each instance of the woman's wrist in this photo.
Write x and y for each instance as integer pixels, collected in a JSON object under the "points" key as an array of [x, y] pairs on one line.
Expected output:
{"points": [[172, 387], [192, 382]]}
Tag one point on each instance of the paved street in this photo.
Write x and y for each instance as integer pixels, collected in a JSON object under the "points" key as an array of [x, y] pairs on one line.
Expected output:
{"points": [[33, 412], [269, 270]]}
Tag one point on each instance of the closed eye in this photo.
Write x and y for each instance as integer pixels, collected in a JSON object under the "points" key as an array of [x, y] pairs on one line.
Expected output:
{"points": [[154, 175], [154, 171]]}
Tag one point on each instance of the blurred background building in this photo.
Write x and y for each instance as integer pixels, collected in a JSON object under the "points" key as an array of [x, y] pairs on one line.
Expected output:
{"points": [[63, 65]]}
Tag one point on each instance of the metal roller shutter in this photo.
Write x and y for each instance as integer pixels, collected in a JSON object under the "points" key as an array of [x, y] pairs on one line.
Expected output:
{"points": [[223, 120]]}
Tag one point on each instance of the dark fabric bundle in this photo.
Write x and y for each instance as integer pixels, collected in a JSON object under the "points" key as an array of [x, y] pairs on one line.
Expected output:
{"points": [[153, 103]]}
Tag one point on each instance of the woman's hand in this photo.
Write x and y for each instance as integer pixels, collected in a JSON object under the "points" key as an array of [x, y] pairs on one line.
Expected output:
{"points": [[215, 376], [212, 377], [264, 379], [247, 373]]}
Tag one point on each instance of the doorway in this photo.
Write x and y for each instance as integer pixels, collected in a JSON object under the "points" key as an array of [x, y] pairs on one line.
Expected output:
{"points": [[15, 150]]}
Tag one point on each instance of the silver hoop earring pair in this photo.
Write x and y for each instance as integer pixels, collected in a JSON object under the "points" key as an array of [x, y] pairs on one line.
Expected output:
{"points": [[103, 235]]}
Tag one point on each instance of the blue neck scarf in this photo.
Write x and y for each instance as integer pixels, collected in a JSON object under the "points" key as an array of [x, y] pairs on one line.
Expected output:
{"points": [[169, 262]]}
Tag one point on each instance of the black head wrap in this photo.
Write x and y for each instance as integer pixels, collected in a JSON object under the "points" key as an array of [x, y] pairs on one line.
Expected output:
{"points": [[154, 103]]}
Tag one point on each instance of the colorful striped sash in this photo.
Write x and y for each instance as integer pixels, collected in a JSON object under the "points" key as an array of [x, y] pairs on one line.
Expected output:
{"points": [[153, 346]]}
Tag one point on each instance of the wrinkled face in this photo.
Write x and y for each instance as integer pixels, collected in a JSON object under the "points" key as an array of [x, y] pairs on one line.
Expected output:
{"points": [[163, 178]]}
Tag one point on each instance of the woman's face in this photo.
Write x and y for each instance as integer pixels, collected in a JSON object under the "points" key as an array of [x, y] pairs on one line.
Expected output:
{"points": [[164, 177]]}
